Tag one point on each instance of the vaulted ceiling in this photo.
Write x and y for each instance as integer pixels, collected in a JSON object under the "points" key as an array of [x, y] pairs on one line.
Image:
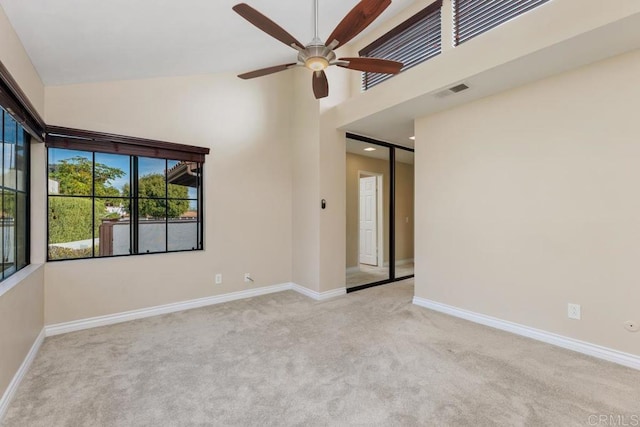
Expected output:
{"points": [[74, 41]]}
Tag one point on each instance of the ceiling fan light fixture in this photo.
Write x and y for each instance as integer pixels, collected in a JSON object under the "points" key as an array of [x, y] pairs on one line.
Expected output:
{"points": [[316, 63]]}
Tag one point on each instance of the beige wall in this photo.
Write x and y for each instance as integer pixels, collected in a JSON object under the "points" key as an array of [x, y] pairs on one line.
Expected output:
{"points": [[22, 307], [404, 206], [21, 321], [15, 58], [305, 140], [318, 146], [248, 176], [528, 200], [405, 221], [333, 219]]}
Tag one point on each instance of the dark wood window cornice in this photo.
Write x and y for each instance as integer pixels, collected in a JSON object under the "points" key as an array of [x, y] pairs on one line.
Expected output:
{"points": [[16, 102], [78, 139]]}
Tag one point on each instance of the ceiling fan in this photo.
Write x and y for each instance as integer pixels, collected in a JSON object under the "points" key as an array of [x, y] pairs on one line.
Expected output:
{"points": [[318, 56]]}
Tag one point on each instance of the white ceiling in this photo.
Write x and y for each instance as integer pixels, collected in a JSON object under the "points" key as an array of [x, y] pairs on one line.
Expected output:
{"points": [[75, 41]]}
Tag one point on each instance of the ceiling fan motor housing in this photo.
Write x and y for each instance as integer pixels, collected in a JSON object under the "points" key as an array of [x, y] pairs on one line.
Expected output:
{"points": [[316, 57]]}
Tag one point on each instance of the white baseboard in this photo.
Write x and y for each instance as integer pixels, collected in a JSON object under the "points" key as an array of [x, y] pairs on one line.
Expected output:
{"points": [[111, 319], [22, 371], [319, 296], [611, 355], [353, 269]]}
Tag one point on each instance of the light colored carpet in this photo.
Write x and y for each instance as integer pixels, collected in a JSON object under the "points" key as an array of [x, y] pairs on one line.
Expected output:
{"points": [[369, 358]]}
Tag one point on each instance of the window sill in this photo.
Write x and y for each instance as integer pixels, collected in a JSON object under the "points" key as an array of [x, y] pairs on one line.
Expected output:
{"points": [[18, 277]]}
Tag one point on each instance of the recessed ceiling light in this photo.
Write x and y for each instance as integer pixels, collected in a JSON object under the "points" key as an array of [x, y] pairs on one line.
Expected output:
{"points": [[413, 138], [369, 149]]}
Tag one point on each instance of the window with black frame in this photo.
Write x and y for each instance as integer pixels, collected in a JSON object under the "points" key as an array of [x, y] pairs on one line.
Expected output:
{"points": [[108, 204], [413, 42], [474, 17], [14, 200]]}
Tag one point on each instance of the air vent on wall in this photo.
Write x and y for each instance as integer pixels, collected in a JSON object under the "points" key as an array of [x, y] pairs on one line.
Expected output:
{"points": [[454, 89]]}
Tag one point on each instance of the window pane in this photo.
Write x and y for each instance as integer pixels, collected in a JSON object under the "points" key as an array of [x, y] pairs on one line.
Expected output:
{"points": [[183, 228], [152, 226], [152, 208], [474, 17], [14, 216], [180, 208], [183, 179], [113, 227], [413, 42], [21, 230], [9, 165], [9, 152], [70, 172], [8, 233], [152, 179], [112, 175], [21, 160], [3, 215], [70, 230], [10, 129]]}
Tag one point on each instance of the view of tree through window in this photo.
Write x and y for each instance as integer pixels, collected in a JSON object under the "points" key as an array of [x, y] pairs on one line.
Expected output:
{"points": [[103, 205], [14, 199]]}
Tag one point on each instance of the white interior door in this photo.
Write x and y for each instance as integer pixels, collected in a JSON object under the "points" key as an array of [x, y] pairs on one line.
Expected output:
{"points": [[368, 221]]}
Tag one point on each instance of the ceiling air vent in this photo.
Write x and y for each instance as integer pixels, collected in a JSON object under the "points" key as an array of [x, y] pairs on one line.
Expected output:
{"points": [[459, 88], [451, 90]]}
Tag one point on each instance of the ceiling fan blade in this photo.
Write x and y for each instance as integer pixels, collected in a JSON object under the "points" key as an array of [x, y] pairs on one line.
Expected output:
{"points": [[265, 71], [357, 20], [372, 65], [266, 25], [320, 84]]}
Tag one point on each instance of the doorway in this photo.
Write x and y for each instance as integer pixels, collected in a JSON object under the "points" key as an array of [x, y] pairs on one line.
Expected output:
{"points": [[380, 197], [371, 219]]}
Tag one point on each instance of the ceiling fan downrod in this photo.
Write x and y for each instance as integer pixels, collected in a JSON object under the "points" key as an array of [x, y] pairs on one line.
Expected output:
{"points": [[316, 56]]}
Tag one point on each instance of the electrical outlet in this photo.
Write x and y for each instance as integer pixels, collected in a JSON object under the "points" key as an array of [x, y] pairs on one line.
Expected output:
{"points": [[632, 326], [574, 311], [218, 279], [247, 278]]}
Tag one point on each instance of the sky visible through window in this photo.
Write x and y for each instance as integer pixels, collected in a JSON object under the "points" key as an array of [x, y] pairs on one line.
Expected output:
{"points": [[146, 166]]}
